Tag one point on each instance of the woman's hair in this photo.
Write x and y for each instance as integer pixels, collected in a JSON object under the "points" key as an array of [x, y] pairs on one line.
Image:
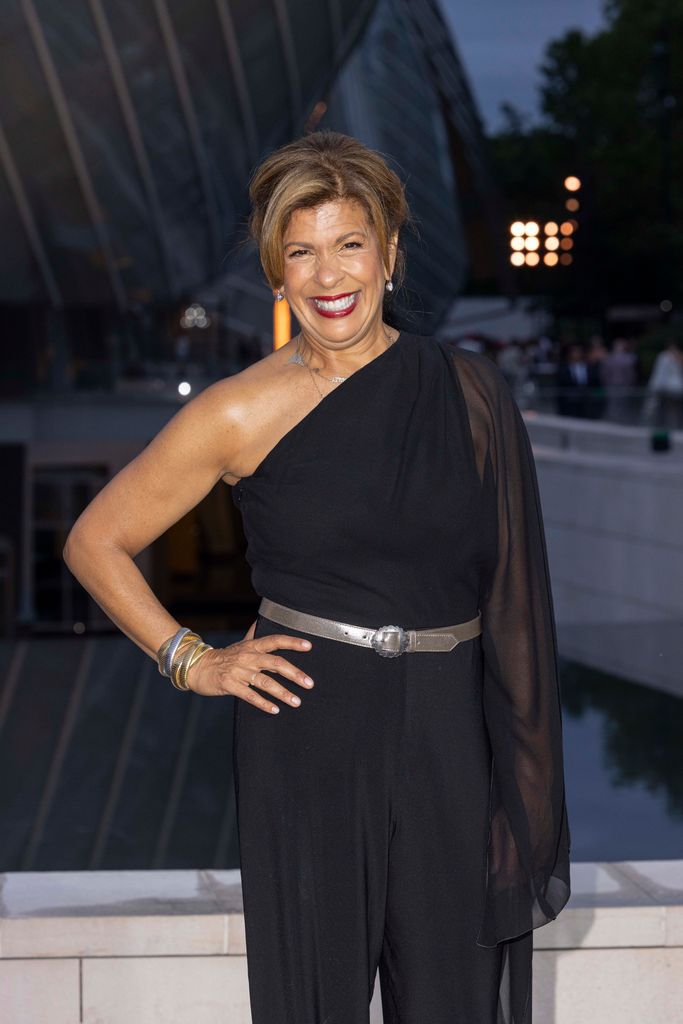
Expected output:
{"points": [[315, 169]]}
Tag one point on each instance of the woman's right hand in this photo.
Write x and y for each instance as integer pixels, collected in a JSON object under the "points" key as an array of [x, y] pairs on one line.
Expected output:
{"points": [[240, 667]]}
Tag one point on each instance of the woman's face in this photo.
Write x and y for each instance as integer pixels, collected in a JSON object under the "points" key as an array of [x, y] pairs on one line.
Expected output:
{"points": [[334, 278]]}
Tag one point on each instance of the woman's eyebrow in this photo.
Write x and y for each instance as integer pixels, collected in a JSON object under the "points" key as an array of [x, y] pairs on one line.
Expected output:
{"points": [[307, 245]]}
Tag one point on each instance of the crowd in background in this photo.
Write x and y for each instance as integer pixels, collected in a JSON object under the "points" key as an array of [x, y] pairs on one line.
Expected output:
{"points": [[596, 380]]}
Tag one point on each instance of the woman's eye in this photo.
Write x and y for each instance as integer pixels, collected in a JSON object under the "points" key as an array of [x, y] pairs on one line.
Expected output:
{"points": [[298, 252], [351, 243]]}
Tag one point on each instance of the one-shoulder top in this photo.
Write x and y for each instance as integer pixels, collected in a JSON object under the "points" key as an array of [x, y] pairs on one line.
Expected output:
{"points": [[367, 510]]}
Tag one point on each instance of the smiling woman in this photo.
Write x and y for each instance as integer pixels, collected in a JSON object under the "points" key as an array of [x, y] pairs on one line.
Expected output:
{"points": [[408, 816]]}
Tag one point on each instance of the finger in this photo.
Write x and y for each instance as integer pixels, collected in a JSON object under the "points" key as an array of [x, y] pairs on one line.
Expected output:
{"points": [[275, 663], [271, 643], [272, 686], [249, 635], [252, 697]]}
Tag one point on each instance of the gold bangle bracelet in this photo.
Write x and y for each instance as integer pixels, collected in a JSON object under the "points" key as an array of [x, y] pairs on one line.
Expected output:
{"points": [[182, 665], [181, 657], [196, 656], [186, 644], [161, 653]]}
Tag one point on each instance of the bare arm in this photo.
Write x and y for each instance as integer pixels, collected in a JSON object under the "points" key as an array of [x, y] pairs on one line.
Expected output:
{"points": [[168, 478]]}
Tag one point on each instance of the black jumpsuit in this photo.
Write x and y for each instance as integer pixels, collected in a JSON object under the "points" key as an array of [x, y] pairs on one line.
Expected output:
{"points": [[409, 816]]}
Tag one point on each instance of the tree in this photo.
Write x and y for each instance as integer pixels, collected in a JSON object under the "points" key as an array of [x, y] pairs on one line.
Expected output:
{"points": [[612, 113]]}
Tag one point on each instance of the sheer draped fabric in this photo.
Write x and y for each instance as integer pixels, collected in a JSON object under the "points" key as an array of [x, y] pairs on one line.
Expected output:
{"points": [[527, 870]]}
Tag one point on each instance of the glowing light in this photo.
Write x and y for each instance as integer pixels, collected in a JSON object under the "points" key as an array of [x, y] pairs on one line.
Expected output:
{"points": [[567, 243], [517, 259], [282, 323], [572, 183], [184, 388], [551, 228], [531, 243], [572, 205], [566, 259], [195, 316], [517, 242], [567, 228], [552, 243], [532, 259], [517, 228], [666, 305], [531, 228], [550, 259]]}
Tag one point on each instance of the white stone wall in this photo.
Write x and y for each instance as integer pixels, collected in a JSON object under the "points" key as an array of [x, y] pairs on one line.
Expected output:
{"points": [[615, 545], [167, 947]]}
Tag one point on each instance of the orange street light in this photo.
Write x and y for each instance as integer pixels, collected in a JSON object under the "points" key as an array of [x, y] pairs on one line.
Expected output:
{"points": [[572, 183], [282, 323]]}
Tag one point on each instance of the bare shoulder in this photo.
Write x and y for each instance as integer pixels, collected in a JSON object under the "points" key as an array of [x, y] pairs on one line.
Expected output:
{"points": [[256, 406]]}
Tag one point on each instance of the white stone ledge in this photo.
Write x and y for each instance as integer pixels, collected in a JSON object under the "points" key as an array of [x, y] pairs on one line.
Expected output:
{"points": [[67, 914], [167, 947]]}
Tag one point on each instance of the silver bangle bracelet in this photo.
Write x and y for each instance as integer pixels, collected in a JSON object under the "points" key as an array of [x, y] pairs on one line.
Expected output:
{"points": [[172, 648]]}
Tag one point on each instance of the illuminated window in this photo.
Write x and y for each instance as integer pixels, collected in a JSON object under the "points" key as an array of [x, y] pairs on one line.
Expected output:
{"points": [[532, 259], [566, 259], [517, 259], [567, 228], [551, 228], [550, 259], [552, 243], [517, 242], [531, 228], [531, 243], [572, 184], [572, 205], [517, 228]]}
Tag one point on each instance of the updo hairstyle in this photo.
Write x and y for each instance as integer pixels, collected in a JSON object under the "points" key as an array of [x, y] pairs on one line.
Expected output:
{"points": [[321, 167]]}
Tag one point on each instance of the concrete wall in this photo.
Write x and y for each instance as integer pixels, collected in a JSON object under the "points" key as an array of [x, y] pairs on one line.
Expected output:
{"points": [[613, 513], [167, 947]]}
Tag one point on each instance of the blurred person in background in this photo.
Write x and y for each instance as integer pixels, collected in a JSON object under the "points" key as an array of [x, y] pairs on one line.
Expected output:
{"points": [[575, 378], [664, 403], [620, 377], [409, 814], [514, 362]]}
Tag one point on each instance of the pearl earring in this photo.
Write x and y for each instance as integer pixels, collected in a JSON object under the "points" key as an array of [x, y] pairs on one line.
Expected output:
{"points": [[389, 286]]}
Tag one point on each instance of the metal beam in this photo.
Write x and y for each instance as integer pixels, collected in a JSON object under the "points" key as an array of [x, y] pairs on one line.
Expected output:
{"points": [[27, 219], [291, 64], [175, 61], [182, 764], [122, 759], [239, 80], [336, 27], [54, 771], [137, 143], [75, 151]]}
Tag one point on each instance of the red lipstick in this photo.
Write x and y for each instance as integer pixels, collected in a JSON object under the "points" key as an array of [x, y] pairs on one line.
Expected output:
{"points": [[344, 304]]}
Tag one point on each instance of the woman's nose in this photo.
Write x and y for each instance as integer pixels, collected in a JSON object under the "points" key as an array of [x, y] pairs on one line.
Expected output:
{"points": [[327, 270]]}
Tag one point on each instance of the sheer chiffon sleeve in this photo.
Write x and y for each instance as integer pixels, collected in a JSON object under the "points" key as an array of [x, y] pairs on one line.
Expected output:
{"points": [[527, 870]]}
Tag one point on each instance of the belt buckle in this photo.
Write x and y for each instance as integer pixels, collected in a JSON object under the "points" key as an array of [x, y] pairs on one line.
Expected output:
{"points": [[389, 641]]}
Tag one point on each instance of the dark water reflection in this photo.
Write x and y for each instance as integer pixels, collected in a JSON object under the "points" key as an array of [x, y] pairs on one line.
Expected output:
{"points": [[624, 767], [104, 765]]}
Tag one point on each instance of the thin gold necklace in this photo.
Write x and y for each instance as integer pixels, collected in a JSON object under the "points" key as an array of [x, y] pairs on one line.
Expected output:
{"points": [[298, 358]]}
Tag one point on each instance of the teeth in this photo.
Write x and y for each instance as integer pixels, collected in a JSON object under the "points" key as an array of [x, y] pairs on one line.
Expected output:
{"points": [[338, 304]]}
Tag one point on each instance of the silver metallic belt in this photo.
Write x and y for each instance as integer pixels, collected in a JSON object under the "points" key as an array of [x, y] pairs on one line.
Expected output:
{"points": [[389, 641]]}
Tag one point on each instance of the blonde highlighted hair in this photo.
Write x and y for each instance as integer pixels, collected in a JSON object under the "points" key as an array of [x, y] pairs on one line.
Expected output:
{"points": [[318, 168]]}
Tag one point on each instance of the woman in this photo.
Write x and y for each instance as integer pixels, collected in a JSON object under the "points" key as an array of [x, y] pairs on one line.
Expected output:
{"points": [[408, 813]]}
